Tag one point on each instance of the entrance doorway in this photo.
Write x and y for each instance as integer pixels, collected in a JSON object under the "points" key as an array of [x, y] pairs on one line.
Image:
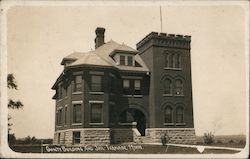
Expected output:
{"points": [[134, 115]]}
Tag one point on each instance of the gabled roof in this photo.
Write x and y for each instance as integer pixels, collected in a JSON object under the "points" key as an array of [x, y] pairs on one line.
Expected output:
{"points": [[102, 57]]}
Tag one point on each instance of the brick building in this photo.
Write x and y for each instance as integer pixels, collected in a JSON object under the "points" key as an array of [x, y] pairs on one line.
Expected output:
{"points": [[117, 94]]}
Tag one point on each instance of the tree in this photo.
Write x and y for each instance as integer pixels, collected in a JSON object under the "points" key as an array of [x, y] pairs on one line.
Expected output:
{"points": [[12, 84]]}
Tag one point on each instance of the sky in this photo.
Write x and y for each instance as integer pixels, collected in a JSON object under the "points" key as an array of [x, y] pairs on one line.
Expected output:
{"points": [[38, 37]]}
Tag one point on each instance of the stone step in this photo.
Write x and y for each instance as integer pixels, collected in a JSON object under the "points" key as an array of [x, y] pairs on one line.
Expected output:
{"points": [[145, 139]]}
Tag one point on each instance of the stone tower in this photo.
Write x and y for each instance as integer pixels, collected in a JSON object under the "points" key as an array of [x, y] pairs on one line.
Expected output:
{"points": [[170, 106]]}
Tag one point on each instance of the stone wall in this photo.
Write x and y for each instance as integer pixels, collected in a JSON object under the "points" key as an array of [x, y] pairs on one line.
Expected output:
{"points": [[95, 136], [175, 135], [89, 136], [103, 136], [122, 135]]}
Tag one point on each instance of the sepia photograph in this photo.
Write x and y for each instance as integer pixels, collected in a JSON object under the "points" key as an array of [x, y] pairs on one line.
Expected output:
{"points": [[114, 79]]}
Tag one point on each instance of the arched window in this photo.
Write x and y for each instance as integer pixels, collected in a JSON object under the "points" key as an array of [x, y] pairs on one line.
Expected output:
{"points": [[170, 65], [167, 86], [168, 116], [178, 61], [167, 60], [179, 114], [178, 87]]}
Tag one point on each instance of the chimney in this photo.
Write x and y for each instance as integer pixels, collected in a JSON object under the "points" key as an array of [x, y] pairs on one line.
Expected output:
{"points": [[99, 40]]}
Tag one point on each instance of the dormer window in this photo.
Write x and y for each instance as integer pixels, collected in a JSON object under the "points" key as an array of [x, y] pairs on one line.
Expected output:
{"points": [[122, 60], [130, 60], [126, 60]]}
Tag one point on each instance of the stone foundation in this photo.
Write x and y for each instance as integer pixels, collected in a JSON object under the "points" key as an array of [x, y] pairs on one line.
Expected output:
{"points": [[175, 135], [89, 136], [95, 136], [124, 135], [103, 136]]}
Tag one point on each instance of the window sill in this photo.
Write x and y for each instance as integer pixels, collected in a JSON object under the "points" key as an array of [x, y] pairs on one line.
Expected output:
{"points": [[127, 95], [96, 124], [76, 92], [180, 124], [167, 95], [138, 96], [179, 95], [168, 124], [135, 96], [58, 126], [96, 92], [170, 68], [132, 123], [76, 123]]}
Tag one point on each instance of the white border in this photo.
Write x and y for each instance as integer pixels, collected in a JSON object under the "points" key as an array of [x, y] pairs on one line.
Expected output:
{"points": [[6, 4]]}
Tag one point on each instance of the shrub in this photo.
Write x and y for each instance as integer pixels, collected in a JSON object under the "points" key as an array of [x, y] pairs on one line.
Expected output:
{"points": [[242, 142], [208, 138], [231, 141], [164, 139], [219, 142], [11, 139]]}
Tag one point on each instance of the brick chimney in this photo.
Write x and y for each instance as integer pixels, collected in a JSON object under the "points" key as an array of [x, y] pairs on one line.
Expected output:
{"points": [[99, 40]]}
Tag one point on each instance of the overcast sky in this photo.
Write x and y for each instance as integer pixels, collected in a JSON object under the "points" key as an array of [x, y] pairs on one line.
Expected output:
{"points": [[39, 37]]}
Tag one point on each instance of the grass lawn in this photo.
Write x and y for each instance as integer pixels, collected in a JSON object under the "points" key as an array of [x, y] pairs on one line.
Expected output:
{"points": [[136, 149]]}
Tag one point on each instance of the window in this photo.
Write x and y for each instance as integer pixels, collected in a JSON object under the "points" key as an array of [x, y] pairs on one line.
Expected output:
{"points": [[178, 61], [126, 87], [122, 60], [77, 84], [126, 60], [96, 113], [178, 87], [137, 86], [56, 118], [132, 87], [65, 116], [112, 84], [168, 114], [58, 138], [76, 137], [130, 60], [167, 87], [60, 117], [173, 60], [77, 117], [96, 83], [170, 64], [179, 115], [66, 91], [60, 91], [167, 60]]}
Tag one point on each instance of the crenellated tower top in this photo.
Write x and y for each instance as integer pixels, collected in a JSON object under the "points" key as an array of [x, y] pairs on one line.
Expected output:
{"points": [[165, 40]]}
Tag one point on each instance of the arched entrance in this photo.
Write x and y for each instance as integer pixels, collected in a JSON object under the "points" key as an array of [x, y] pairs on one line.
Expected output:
{"points": [[134, 115]]}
